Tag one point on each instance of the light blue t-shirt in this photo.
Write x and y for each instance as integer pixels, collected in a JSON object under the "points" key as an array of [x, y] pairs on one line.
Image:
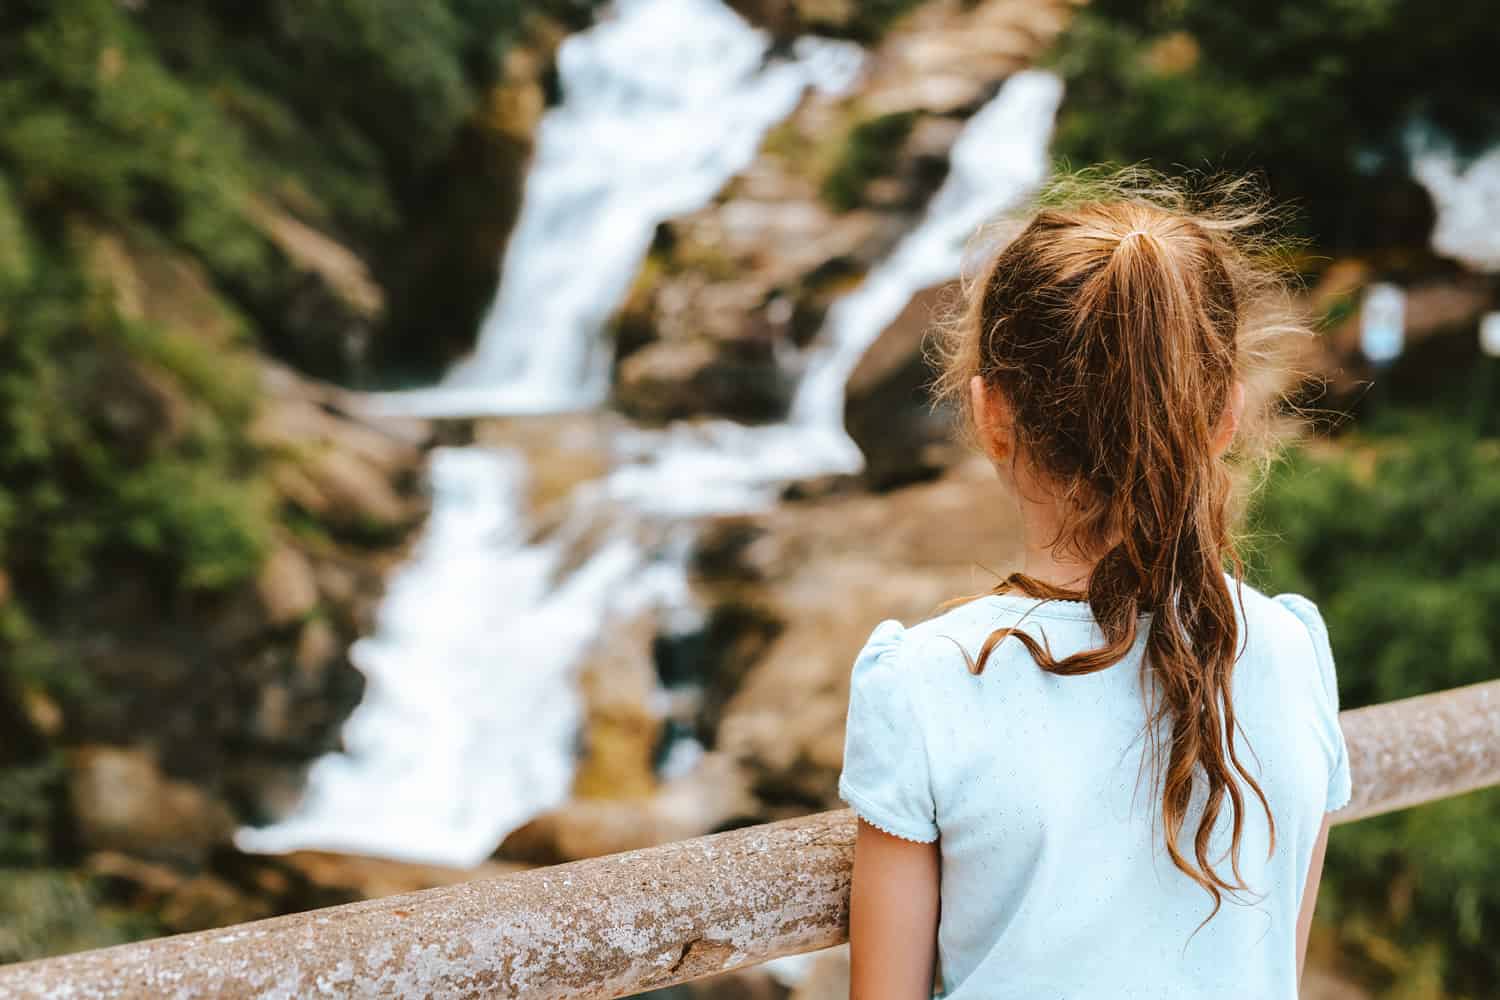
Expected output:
{"points": [[1055, 882]]}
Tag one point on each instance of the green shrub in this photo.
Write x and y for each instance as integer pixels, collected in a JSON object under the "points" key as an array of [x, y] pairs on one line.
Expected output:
{"points": [[1320, 96], [1394, 535], [868, 152], [87, 483], [46, 913]]}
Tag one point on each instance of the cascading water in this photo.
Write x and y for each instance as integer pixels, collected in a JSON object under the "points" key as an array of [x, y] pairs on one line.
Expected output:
{"points": [[468, 722], [719, 466], [661, 106], [1467, 204], [468, 726]]}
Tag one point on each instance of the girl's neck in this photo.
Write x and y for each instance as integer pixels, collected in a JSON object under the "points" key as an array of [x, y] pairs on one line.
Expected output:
{"points": [[1042, 564], [1041, 525]]}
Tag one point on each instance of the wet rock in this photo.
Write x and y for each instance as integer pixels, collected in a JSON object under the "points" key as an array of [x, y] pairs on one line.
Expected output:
{"points": [[730, 294], [143, 883], [1441, 316], [318, 646], [665, 382], [371, 878], [287, 587], [713, 794], [949, 56], [330, 305], [623, 728], [357, 474], [124, 802], [204, 901], [828, 570], [299, 414], [563, 452], [346, 493], [888, 408]]}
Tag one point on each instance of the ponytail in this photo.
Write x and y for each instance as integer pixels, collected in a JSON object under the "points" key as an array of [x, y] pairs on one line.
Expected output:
{"points": [[1116, 330]]}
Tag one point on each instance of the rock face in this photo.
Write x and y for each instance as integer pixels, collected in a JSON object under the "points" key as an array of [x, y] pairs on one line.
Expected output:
{"points": [[716, 323], [731, 294], [888, 410], [829, 570], [197, 710], [789, 597], [123, 802]]}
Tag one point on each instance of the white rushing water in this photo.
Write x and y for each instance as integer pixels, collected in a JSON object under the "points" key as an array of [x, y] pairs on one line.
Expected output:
{"points": [[720, 466], [469, 724], [661, 105], [1467, 203]]}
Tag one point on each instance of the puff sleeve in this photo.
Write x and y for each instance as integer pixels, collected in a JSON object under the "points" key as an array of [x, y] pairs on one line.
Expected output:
{"points": [[885, 778], [1339, 785]]}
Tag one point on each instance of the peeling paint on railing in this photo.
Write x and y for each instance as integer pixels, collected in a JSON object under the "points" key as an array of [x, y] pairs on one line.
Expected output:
{"points": [[630, 922]]}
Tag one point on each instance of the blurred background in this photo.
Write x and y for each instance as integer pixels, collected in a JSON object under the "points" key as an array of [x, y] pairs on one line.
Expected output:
{"points": [[438, 439]]}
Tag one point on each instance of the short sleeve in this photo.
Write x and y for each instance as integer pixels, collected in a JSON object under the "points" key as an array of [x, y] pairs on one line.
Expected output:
{"points": [[1339, 785], [885, 778]]}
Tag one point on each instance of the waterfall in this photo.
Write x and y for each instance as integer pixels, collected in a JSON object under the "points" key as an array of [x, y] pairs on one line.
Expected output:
{"points": [[469, 700], [661, 106], [1467, 205], [469, 723]]}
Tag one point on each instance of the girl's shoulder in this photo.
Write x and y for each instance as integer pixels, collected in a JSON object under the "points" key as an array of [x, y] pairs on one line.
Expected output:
{"points": [[944, 645], [1286, 627]]}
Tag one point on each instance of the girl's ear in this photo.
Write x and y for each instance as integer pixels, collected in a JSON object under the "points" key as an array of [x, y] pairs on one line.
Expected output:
{"points": [[1229, 420], [992, 420]]}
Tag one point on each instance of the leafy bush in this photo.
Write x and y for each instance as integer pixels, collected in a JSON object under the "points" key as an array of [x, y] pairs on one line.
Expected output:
{"points": [[1321, 97], [1394, 535], [867, 153], [93, 477], [52, 912]]}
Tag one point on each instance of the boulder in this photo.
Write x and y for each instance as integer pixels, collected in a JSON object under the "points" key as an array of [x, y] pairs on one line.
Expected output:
{"points": [[123, 802], [371, 878], [205, 901], [318, 646], [712, 795], [888, 410], [671, 381], [347, 493], [287, 586], [828, 570], [623, 728]]}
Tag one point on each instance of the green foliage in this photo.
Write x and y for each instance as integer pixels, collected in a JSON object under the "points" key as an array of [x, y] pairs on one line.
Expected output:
{"points": [[1394, 535], [1320, 96], [95, 123], [123, 447], [46, 913], [27, 794], [867, 153]]}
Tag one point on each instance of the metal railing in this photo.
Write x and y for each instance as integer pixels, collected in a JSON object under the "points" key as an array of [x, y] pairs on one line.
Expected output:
{"points": [[617, 925]]}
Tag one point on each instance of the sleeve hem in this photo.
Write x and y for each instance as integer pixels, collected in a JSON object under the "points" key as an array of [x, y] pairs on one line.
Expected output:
{"points": [[1340, 786], [884, 820]]}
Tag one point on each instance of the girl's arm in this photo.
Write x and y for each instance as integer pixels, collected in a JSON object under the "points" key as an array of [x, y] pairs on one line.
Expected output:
{"points": [[1309, 893], [893, 917]]}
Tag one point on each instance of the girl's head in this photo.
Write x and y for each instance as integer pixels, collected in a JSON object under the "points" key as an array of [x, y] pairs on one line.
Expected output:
{"points": [[1119, 360]]}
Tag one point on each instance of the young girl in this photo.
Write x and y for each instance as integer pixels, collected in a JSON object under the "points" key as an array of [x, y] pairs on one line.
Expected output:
{"points": [[1109, 777]]}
